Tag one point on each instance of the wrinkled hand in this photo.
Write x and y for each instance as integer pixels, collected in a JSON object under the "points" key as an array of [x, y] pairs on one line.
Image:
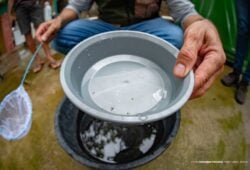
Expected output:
{"points": [[203, 52], [47, 30]]}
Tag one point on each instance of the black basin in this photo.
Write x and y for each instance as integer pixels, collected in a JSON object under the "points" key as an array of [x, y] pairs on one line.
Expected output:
{"points": [[81, 136]]}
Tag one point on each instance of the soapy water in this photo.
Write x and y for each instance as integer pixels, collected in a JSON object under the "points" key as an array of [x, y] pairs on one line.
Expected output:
{"points": [[127, 85], [112, 143]]}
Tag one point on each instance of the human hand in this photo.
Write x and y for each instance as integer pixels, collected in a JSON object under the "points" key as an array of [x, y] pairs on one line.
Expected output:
{"points": [[202, 51], [47, 30]]}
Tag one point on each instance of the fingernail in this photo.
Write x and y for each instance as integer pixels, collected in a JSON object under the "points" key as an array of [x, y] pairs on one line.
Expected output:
{"points": [[43, 39], [179, 69]]}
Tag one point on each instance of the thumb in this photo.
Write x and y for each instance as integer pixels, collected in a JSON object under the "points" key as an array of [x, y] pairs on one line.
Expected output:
{"points": [[188, 55]]}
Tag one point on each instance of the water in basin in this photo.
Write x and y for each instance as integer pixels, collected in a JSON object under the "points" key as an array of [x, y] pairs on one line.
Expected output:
{"points": [[126, 84]]}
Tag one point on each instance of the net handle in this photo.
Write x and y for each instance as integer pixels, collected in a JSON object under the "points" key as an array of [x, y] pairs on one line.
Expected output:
{"points": [[30, 63]]}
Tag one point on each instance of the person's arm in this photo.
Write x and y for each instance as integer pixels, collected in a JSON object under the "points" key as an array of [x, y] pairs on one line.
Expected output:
{"points": [[180, 10], [10, 6], [191, 19], [47, 30], [9, 10], [202, 50]]}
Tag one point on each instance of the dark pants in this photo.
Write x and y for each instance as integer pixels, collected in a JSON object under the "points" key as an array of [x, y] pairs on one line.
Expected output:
{"points": [[243, 26], [29, 14], [78, 30]]}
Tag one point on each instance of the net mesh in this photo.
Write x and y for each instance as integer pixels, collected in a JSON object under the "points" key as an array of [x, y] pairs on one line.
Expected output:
{"points": [[16, 109], [15, 114]]}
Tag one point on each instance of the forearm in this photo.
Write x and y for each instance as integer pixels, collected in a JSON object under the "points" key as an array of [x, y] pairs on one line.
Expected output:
{"points": [[181, 9], [66, 16], [10, 6], [191, 19]]}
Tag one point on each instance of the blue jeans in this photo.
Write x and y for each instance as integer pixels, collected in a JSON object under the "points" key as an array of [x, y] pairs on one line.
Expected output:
{"points": [[78, 30], [243, 19]]}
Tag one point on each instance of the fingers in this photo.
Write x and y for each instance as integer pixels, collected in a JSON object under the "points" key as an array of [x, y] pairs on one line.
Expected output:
{"points": [[49, 34], [46, 31], [188, 54], [41, 30], [200, 90], [211, 66]]}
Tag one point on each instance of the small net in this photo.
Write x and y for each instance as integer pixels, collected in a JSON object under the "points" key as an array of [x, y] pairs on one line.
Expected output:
{"points": [[16, 110], [16, 113]]}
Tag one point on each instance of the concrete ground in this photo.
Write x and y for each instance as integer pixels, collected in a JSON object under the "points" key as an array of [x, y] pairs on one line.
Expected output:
{"points": [[214, 131]]}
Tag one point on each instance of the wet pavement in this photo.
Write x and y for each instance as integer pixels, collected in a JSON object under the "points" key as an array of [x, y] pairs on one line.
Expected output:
{"points": [[214, 132]]}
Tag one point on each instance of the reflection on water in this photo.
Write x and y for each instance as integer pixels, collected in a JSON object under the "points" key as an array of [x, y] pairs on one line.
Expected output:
{"points": [[114, 143]]}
